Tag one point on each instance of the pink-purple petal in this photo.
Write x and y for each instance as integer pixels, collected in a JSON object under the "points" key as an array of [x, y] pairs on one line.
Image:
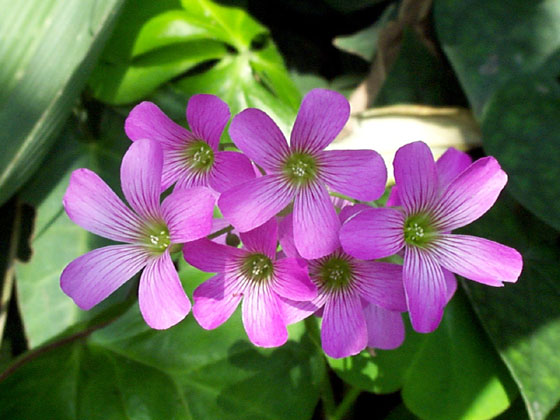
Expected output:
{"points": [[91, 278], [381, 283], [207, 116], [256, 135], [479, 259], [262, 240], [249, 205], [450, 283], [470, 195], [416, 177], [91, 204], [393, 200], [425, 289], [163, 302], [294, 311], [291, 280], [147, 121], [347, 212], [359, 174], [286, 236], [321, 116], [373, 233], [141, 170], [344, 329], [451, 164], [385, 328], [316, 223], [188, 213], [262, 317], [210, 256], [230, 168], [215, 300]]}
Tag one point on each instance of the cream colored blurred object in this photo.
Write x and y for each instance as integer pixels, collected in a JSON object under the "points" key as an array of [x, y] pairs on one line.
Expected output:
{"points": [[388, 128]]}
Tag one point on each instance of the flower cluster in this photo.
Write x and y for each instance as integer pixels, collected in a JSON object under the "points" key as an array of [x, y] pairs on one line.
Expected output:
{"points": [[274, 192]]}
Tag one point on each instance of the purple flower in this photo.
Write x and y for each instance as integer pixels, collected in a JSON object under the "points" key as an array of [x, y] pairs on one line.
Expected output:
{"points": [[191, 158], [301, 172], [149, 232], [359, 300], [433, 204], [253, 274], [448, 166]]}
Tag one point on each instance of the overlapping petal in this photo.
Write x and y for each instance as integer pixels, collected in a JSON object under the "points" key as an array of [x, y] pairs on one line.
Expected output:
{"points": [[360, 174], [425, 289], [230, 168], [381, 283], [209, 256], [451, 164], [262, 317], [416, 177], [147, 121], [291, 280], [163, 302], [262, 240], [385, 328], [294, 311], [249, 205], [216, 299], [207, 116], [321, 116], [470, 195], [141, 170], [256, 135], [479, 259], [92, 277], [316, 223], [344, 330], [92, 204], [373, 233], [188, 213]]}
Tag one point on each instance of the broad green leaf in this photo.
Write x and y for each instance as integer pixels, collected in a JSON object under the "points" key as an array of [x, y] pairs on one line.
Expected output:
{"points": [[128, 371], [523, 319], [418, 76], [129, 83], [46, 311], [47, 51], [452, 373], [488, 42], [226, 49], [522, 130], [364, 42]]}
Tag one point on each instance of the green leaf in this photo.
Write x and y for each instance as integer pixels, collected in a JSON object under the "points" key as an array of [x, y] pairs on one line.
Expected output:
{"points": [[418, 76], [488, 43], [46, 311], [523, 319], [452, 373], [364, 42], [128, 371], [229, 55], [522, 130], [48, 50]]}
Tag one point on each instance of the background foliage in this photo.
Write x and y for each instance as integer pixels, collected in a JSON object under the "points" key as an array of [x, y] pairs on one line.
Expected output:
{"points": [[70, 73]]}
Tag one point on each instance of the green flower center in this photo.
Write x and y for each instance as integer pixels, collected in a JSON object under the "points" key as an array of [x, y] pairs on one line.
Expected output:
{"points": [[418, 230], [157, 238], [199, 156], [257, 267], [300, 168], [334, 272]]}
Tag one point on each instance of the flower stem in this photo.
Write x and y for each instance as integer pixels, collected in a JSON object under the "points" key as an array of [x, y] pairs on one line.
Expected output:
{"points": [[346, 403]]}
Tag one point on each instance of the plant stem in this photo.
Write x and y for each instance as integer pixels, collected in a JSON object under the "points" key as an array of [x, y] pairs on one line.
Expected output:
{"points": [[346, 403]]}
